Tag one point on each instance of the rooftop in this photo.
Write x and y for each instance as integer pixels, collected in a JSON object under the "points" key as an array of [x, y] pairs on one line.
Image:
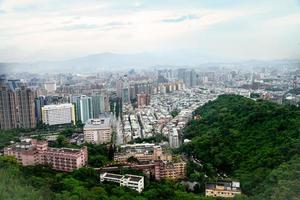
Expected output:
{"points": [[58, 106], [97, 123]]}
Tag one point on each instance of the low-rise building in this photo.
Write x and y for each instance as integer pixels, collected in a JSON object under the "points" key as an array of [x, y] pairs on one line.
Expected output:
{"points": [[142, 152], [58, 114], [225, 189], [98, 131], [127, 180], [33, 152], [170, 170]]}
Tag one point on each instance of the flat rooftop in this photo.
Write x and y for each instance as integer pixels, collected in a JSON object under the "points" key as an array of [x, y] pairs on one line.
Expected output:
{"points": [[133, 177], [97, 123]]}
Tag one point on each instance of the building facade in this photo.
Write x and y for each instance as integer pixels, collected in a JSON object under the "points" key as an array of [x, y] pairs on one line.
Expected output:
{"points": [[98, 131], [33, 152], [174, 138], [84, 108], [8, 113], [58, 114], [25, 107], [17, 108], [143, 100], [224, 189], [170, 170]]}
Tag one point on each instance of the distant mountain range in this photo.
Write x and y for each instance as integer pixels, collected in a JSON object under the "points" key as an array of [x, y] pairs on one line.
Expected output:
{"points": [[113, 62]]}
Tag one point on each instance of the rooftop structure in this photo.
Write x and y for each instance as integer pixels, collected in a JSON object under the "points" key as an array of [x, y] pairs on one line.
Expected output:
{"points": [[127, 180], [143, 152]]}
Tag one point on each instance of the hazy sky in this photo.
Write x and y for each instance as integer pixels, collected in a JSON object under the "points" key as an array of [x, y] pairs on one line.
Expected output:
{"points": [[33, 30]]}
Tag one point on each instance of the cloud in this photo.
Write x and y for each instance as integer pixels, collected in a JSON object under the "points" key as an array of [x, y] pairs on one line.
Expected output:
{"points": [[80, 27], [58, 28], [283, 21], [180, 19]]}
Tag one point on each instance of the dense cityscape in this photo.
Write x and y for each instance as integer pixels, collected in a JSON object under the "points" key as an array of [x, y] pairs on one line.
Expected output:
{"points": [[139, 117], [149, 100]]}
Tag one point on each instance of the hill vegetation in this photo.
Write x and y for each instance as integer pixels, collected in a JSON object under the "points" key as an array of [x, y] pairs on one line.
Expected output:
{"points": [[257, 142]]}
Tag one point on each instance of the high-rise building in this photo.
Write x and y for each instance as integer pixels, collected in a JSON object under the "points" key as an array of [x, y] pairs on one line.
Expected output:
{"points": [[17, 108], [58, 114], [8, 114], [39, 103], [123, 89], [84, 108], [143, 100], [100, 101], [25, 107], [50, 86], [174, 138], [14, 83], [189, 77]]}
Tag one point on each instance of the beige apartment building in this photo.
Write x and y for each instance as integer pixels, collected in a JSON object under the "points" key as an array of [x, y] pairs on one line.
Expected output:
{"points": [[225, 189], [170, 170], [98, 131]]}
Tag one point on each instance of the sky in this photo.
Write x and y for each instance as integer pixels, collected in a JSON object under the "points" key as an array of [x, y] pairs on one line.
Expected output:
{"points": [[38, 30]]}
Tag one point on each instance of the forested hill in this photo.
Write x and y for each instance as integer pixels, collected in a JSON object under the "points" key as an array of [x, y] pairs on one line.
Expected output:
{"points": [[257, 142]]}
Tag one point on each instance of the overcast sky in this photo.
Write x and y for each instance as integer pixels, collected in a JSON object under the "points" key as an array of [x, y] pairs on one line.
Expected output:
{"points": [[32, 30]]}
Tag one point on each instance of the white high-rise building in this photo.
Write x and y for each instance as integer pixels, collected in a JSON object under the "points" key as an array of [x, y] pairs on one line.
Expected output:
{"points": [[98, 131], [58, 114], [50, 86], [174, 138]]}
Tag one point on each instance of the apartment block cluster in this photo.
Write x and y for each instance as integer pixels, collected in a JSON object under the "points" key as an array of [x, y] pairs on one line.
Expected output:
{"points": [[129, 89], [33, 152], [23, 106], [17, 109], [131, 127], [72, 109], [152, 158], [157, 117]]}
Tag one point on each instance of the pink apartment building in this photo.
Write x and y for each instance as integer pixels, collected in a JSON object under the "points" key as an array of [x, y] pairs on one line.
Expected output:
{"points": [[33, 152]]}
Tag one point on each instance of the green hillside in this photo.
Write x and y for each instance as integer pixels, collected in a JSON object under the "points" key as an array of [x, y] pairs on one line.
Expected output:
{"points": [[248, 140]]}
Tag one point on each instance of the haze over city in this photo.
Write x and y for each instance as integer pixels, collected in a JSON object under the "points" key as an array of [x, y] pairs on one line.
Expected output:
{"points": [[226, 30], [149, 99]]}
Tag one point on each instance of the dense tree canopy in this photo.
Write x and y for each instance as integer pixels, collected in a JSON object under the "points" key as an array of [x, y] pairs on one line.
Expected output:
{"points": [[244, 139]]}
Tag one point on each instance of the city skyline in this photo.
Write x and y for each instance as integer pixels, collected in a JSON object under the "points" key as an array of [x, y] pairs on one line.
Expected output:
{"points": [[35, 30]]}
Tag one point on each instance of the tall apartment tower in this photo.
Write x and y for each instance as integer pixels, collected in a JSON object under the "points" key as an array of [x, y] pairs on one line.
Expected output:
{"points": [[143, 100], [84, 108], [8, 118], [17, 108], [25, 107]]}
